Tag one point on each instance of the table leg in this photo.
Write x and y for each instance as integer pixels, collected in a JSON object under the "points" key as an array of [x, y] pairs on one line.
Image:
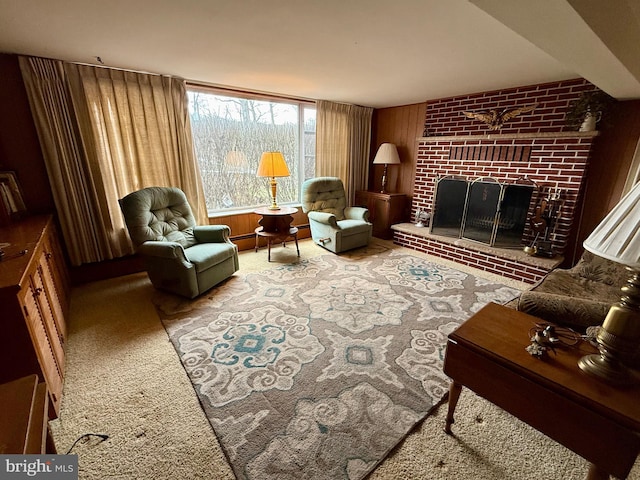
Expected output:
{"points": [[269, 249], [454, 395], [596, 474], [257, 237]]}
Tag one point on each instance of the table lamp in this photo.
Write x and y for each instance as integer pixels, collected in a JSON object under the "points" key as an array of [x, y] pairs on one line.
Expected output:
{"points": [[617, 238], [386, 155], [272, 165]]}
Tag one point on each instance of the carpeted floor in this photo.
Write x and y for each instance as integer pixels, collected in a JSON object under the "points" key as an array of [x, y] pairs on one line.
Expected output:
{"points": [[124, 378]]}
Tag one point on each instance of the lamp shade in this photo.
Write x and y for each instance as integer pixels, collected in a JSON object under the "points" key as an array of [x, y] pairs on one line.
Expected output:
{"points": [[617, 237], [235, 158], [272, 164], [387, 154]]}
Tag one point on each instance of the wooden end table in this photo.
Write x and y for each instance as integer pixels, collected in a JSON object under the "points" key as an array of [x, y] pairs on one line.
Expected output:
{"points": [[385, 209], [275, 226], [599, 422]]}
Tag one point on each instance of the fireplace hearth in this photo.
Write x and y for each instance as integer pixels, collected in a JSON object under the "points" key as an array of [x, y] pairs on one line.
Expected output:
{"points": [[483, 210]]}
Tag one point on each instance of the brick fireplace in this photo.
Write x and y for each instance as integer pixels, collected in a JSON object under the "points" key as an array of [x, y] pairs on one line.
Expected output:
{"points": [[535, 146]]}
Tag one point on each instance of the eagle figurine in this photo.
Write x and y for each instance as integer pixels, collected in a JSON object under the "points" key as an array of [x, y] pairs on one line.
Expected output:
{"points": [[496, 119]]}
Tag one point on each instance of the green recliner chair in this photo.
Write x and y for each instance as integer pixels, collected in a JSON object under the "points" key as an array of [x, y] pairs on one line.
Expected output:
{"points": [[179, 256], [334, 226]]}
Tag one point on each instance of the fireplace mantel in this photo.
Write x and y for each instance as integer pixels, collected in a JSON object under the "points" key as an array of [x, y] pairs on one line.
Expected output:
{"points": [[507, 136]]}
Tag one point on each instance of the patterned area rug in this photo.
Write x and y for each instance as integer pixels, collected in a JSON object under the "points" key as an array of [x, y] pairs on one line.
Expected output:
{"points": [[317, 370]]}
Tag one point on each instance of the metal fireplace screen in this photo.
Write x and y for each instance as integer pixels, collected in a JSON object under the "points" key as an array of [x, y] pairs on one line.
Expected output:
{"points": [[484, 210], [448, 210]]}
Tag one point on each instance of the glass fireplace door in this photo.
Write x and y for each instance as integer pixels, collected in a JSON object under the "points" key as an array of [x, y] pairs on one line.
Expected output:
{"points": [[448, 207], [514, 209], [483, 200]]}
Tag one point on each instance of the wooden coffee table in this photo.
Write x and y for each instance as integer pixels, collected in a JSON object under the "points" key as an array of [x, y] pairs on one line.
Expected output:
{"points": [[599, 422]]}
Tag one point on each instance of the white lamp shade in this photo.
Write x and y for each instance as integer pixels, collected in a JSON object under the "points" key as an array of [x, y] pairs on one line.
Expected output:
{"points": [[387, 155], [272, 164], [617, 237]]}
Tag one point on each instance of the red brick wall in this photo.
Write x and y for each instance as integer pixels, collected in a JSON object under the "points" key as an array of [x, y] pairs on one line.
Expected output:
{"points": [[445, 117], [547, 153]]}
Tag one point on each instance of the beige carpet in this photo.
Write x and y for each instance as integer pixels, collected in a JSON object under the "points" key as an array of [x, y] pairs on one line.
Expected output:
{"points": [[124, 379]]}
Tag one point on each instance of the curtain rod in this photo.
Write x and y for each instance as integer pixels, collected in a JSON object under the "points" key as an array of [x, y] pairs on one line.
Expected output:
{"points": [[97, 65]]}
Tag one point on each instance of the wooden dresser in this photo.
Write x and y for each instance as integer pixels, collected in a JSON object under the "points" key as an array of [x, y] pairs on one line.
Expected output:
{"points": [[34, 299]]}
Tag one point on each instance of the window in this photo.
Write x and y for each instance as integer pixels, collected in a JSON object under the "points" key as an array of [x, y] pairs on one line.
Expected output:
{"points": [[230, 134]]}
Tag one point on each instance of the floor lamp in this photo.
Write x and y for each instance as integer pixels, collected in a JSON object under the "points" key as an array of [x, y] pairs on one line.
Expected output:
{"points": [[617, 238], [386, 155]]}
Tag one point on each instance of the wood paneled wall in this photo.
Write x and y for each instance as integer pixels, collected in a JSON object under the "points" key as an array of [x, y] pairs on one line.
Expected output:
{"points": [[611, 158], [19, 145], [401, 126]]}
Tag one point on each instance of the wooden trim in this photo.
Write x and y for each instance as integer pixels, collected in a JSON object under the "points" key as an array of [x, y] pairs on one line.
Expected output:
{"points": [[508, 136], [247, 94]]}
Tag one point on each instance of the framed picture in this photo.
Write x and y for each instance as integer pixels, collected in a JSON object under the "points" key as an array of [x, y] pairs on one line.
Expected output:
{"points": [[11, 196]]}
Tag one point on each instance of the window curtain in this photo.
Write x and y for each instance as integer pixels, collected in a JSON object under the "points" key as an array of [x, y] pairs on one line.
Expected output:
{"points": [[69, 175], [124, 131], [343, 139], [137, 126]]}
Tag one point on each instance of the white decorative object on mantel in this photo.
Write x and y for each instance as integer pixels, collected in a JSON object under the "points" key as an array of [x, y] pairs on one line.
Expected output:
{"points": [[422, 218], [590, 121]]}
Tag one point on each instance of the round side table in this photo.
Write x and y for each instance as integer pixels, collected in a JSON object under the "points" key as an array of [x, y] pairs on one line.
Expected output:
{"points": [[275, 226]]}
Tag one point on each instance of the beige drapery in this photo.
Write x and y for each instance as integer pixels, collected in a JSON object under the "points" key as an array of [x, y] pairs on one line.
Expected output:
{"points": [[75, 198], [122, 131], [343, 142], [141, 133]]}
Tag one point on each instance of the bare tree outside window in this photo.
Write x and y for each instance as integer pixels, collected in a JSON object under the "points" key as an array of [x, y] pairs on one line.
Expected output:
{"points": [[231, 133]]}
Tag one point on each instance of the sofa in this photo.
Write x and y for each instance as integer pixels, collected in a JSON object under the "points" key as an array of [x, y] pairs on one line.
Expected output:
{"points": [[578, 297]]}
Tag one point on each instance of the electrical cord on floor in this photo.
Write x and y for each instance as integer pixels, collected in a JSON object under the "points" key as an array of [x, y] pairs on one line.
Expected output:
{"points": [[87, 435]]}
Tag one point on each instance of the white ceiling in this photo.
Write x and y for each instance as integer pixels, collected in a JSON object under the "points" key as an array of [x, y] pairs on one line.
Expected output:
{"points": [[377, 53]]}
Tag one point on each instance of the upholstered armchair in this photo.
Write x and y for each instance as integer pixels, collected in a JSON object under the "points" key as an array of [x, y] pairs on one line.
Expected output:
{"points": [[334, 226], [179, 256]]}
